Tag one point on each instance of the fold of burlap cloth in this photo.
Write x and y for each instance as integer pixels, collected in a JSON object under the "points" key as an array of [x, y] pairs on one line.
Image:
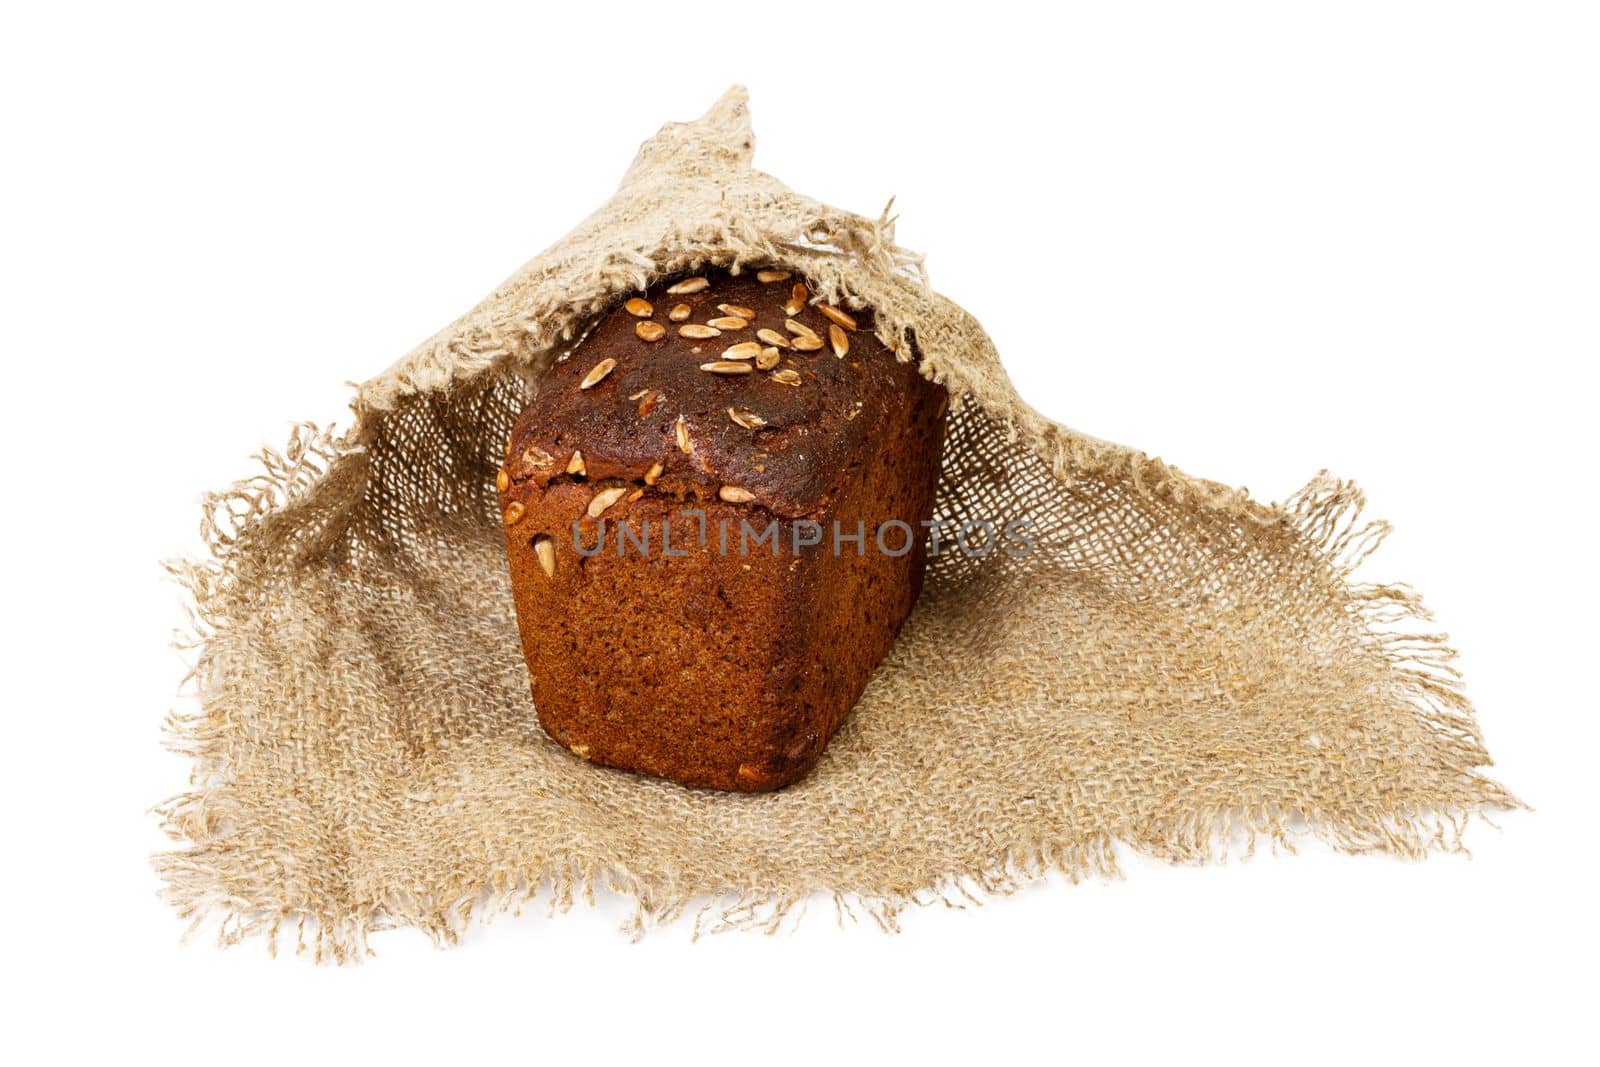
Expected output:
{"points": [[1175, 667]]}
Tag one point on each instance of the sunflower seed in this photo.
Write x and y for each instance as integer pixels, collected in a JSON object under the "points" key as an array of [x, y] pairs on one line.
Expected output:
{"points": [[799, 329], [847, 321], [687, 286], [728, 322], [575, 464], [680, 312], [736, 311], [767, 359], [648, 403], [743, 350], [746, 418], [797, 301], [774, 338], [604, 499], [725, 366], [640, 394], [502, 481], [545, 549], [770, 276], [839, 340], [698, 332], [787, 376], [682, 430], [635, 495], [807, 344], [534, 456], [513, 513], [650, 331], [640, 307], [735, 495], [601, 369], [653, 473]]}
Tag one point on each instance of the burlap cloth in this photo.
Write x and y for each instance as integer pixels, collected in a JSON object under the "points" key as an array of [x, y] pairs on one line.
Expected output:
{"points": [[1175, 667]]}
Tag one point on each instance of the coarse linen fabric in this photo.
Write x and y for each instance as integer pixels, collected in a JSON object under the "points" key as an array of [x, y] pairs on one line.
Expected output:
{"points": [[1174, 669]]}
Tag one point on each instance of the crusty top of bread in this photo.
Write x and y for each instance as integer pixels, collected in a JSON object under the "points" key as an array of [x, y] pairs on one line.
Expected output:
{"points": [[786, 445]]}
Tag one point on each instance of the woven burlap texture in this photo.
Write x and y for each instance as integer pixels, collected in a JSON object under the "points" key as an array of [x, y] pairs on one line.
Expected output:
{"points": [[1175, 668]]}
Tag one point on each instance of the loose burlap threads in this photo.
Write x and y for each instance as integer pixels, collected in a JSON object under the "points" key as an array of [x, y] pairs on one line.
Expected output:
{"points": [[1175, 667]]}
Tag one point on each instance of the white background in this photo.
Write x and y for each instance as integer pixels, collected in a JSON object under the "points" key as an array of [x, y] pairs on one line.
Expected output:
{"points": [[1257, 240]]}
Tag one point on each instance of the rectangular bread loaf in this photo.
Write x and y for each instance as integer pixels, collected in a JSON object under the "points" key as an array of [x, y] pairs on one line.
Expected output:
{"points": [[715, 518]]}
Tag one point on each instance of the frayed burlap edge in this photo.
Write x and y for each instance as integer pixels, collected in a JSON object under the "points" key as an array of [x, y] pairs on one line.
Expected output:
{"points": [[746, 218]]}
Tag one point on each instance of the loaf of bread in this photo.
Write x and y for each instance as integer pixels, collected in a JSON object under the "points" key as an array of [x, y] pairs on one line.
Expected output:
{"points": [[715, 511]]}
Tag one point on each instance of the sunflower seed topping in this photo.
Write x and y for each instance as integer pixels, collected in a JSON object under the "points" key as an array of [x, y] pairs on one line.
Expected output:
{"points": [[839, 340], [743, 350], [728, 322], [640, 307], [736, 311], [767, 359], [601, 369], [774, 338], [733, 494], [767, 277], [513, 513], [797, 301], [680, 313], [746, 418], [847, 321], [698, 332], [604, 499], [687, 286], [799, 329], [726, 366], [682, 431], [807, 344], [653, 473], [502, 481], [788, 376], [650, 331], [575, 464]]}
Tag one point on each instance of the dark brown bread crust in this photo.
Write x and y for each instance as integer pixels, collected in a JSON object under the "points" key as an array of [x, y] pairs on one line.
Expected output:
{"points": [[716, 668]]}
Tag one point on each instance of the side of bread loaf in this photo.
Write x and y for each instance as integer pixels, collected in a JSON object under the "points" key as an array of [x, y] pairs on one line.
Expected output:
{"points": [[754, 443]]}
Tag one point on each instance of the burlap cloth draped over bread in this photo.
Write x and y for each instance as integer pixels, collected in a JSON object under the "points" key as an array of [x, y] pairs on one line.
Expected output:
{"points": [[1175, 667]]}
